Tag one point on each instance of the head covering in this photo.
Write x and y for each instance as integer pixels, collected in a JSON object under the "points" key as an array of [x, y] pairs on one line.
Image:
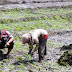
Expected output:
{"points": [[25, 38]]}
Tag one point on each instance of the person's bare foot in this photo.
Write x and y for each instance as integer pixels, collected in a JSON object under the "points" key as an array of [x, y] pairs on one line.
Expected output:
{"points": [[39, 61], [5, 56]]}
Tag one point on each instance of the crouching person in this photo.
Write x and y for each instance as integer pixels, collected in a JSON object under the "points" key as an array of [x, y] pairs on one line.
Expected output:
{"points": [[38, 37], [6, 41]]}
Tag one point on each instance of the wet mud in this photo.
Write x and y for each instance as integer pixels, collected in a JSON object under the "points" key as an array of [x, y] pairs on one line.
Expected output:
{"points": [[60, 54]]}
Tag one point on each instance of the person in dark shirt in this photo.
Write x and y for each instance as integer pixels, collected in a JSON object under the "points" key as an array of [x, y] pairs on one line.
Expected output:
{"points": [[6, 41]]}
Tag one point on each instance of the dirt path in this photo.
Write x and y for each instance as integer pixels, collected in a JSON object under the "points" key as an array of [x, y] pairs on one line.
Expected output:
{"points": [[36, 5]]}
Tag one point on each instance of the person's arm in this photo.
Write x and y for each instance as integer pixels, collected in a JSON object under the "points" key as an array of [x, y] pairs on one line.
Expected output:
{"points": [[30, 48], [31, 42], [11, 38], [35, 49], [8, 43], [37, 45]]}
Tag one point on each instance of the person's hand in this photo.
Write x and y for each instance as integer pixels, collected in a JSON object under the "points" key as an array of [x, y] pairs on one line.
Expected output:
{"points": [[7, 44], [32, 53]]}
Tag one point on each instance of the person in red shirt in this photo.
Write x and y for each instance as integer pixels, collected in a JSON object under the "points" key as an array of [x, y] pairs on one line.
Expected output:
{"points": [[6, 41], [38, 37]]}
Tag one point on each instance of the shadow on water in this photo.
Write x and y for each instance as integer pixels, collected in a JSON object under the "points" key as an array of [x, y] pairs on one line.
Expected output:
{"points": [[66, 58]]}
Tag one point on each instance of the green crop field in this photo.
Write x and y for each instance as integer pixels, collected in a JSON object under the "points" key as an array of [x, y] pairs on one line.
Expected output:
{"points": [[18, 22]]}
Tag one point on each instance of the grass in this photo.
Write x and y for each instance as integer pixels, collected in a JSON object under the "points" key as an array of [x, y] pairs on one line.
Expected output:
{"points": [[45, 18], [17, 13]]}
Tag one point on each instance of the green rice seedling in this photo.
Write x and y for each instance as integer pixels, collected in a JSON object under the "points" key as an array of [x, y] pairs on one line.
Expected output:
{"points": [[37, 67], [58, 45], [17, 45], [50, 45], [22, 47], [1, 65], [22, 66], [28, 57], [6, 60], [19, 58], [11, 66], [51, 18], [5, 71], [9, 21], [1, 12], [4, 27]]}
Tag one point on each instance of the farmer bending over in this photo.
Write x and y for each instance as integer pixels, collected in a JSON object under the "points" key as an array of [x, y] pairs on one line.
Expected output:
{"points": [[6, 41], [38, 37]]}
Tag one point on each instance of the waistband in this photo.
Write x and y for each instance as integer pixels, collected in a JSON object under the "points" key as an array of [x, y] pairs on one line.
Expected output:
{"points": [[46, 36]]}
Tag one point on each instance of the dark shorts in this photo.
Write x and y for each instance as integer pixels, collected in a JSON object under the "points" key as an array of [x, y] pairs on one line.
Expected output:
{"points": [[9, 47], [42, 48], [42, 43]]}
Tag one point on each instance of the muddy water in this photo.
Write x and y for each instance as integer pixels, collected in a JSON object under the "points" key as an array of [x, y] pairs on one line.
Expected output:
{"points": [[63, 37]]}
